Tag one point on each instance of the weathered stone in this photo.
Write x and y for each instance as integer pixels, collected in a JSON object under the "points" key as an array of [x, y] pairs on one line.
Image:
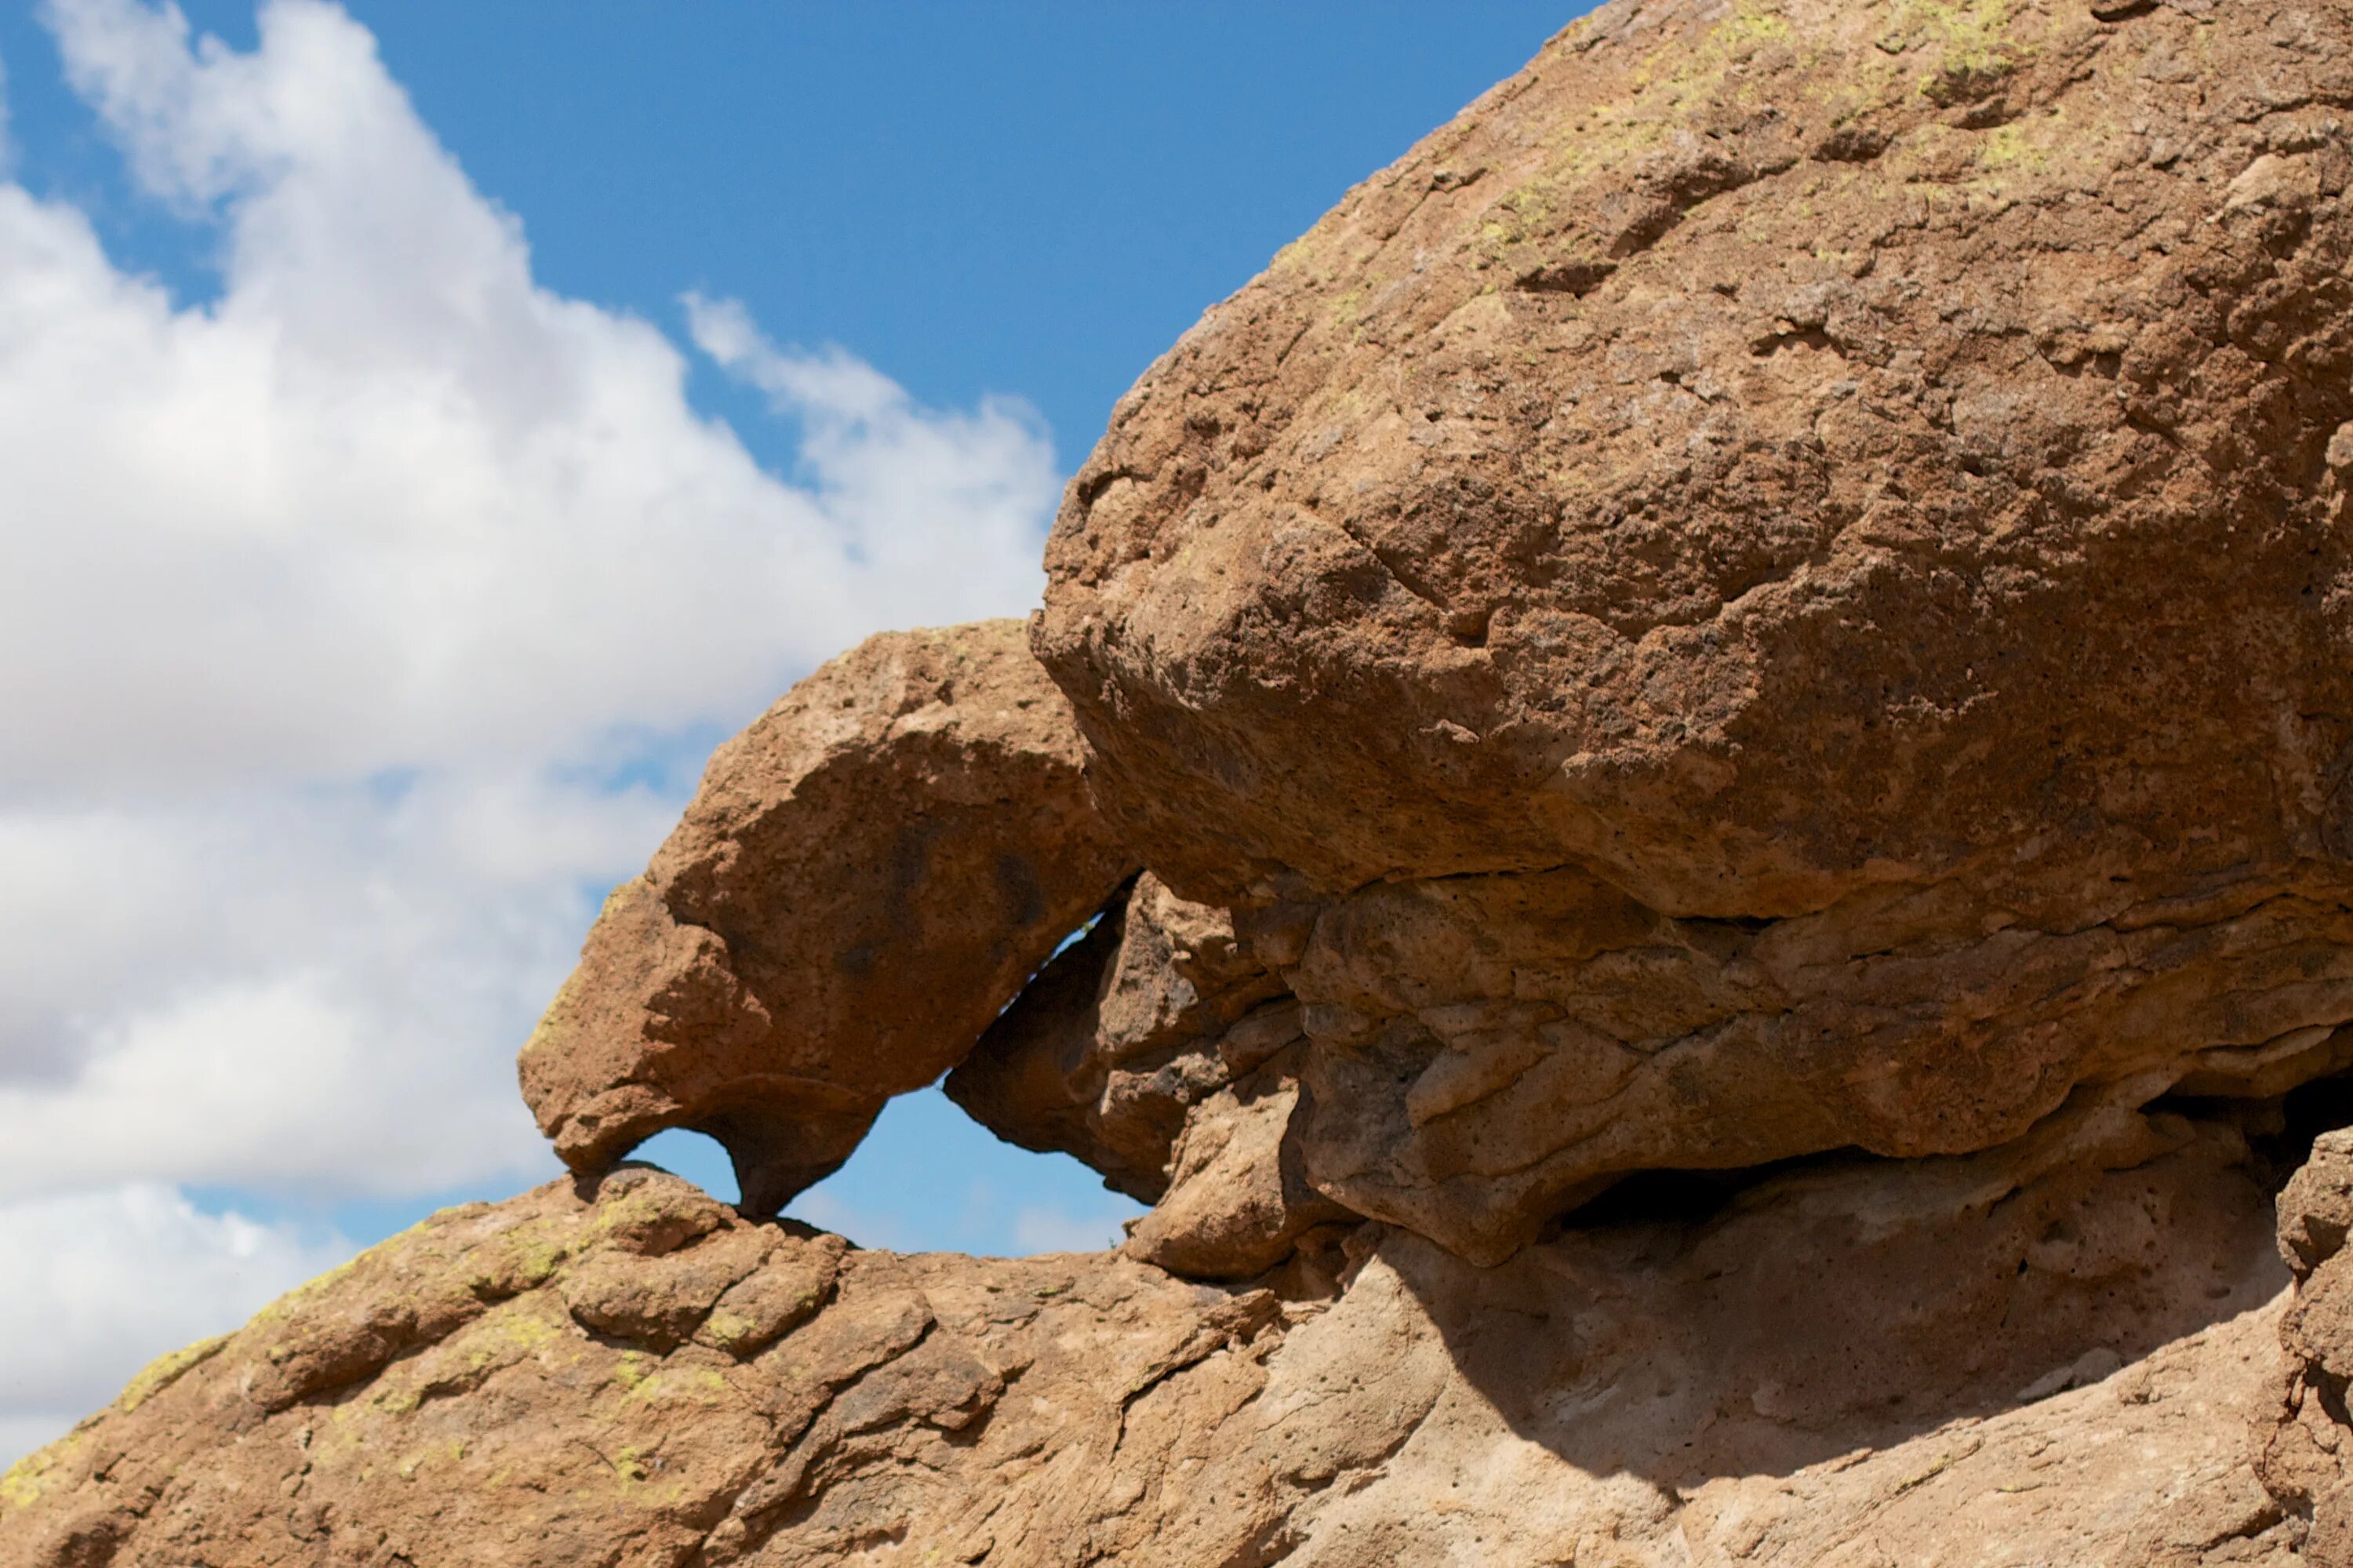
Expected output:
{"points": [[1157, 1052], [1486, 1051], [868, 873], [2304, 1435], [1121, 1035], [1669, 1383], [782, 1294], [2316, 1210], [1809, 527], [1747, 653], [1239, 1198]]}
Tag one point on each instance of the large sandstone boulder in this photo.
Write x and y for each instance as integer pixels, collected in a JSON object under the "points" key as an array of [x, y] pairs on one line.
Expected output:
{"points": [[2050, 1353], [1780, 583], [867, 876]]}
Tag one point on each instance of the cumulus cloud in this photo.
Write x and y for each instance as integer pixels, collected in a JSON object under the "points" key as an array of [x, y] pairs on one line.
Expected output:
{"points": [[330, 605], [145, 1271], [387, 499]]}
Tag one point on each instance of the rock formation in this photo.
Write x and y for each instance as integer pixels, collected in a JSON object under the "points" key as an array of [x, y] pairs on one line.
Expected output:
{"points": [[1156, 1052], [1705, 752], [868, 875], [2305, 1455], [1780, 584], [2062, 1345]]}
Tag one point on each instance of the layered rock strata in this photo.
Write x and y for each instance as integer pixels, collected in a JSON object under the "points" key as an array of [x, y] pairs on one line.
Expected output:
{"points": [[866, 876]]}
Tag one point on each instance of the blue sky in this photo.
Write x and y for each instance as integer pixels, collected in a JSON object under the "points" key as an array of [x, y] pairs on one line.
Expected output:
{"points": [[1033, 199], [391, 539]]}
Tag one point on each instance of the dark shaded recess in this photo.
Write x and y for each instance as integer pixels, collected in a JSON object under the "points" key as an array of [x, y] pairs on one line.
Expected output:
{"points": [[1897, 1331], [1682, 1197], [2280, 1132]]}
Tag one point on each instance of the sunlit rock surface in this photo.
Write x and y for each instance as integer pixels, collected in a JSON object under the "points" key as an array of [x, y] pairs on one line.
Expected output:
{"points": [[1708, 741], [867, 875]]}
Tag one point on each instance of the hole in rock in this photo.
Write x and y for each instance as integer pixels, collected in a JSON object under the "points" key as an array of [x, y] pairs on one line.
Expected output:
{"points": [[696, 1156], [930, 1178], [1074, 938]]}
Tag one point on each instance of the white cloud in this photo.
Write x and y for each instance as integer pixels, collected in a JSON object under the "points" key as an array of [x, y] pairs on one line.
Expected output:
{"points": [[389, 499], [103, 1282], [313, 989], [385, 507], [324, 604]]}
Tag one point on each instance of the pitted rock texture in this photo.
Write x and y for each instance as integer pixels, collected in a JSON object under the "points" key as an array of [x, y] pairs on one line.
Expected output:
{"points": [[2060, 1346], [1156, 1052], [2306, 1455], [867, 876], [1732, 681], [1116, 1039], [1810, 538]]}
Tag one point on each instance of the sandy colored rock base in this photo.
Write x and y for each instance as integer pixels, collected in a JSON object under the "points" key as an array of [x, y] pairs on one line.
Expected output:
{"points": [[2052, 1353]]}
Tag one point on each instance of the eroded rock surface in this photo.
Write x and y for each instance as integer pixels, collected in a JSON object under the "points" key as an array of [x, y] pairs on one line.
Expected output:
{"points": [[1804, 543], [1156, 1051], [2060, 1345], [1116, 1039], [867, 875], [2305, 1458], [1732, 681]]}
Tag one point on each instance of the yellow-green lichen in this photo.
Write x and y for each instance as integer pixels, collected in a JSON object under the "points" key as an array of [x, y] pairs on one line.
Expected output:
{"points": [[1681, 67], [555, 1025], [452, 1452], [1973, 41], [689, 1385], [166, 1370], [726, 1328], [26, 1480]]}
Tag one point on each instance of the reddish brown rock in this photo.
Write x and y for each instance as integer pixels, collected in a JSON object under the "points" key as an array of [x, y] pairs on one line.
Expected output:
{"points": [[1158, 1052], [1772, 596], [1118, 1038], [1799, 542], [2058, 1347], [1239, 1199], [1487, 1051], [866, 876]]}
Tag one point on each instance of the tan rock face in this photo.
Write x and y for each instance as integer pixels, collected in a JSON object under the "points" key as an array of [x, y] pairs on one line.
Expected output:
{"points": [[866, 876], [1778, 584], [2062, 1345], [2304, 1452], [1158, 1052]]}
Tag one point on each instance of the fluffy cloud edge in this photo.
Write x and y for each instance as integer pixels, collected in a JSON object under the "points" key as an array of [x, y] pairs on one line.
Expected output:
{"points": [[103, 1281]]}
